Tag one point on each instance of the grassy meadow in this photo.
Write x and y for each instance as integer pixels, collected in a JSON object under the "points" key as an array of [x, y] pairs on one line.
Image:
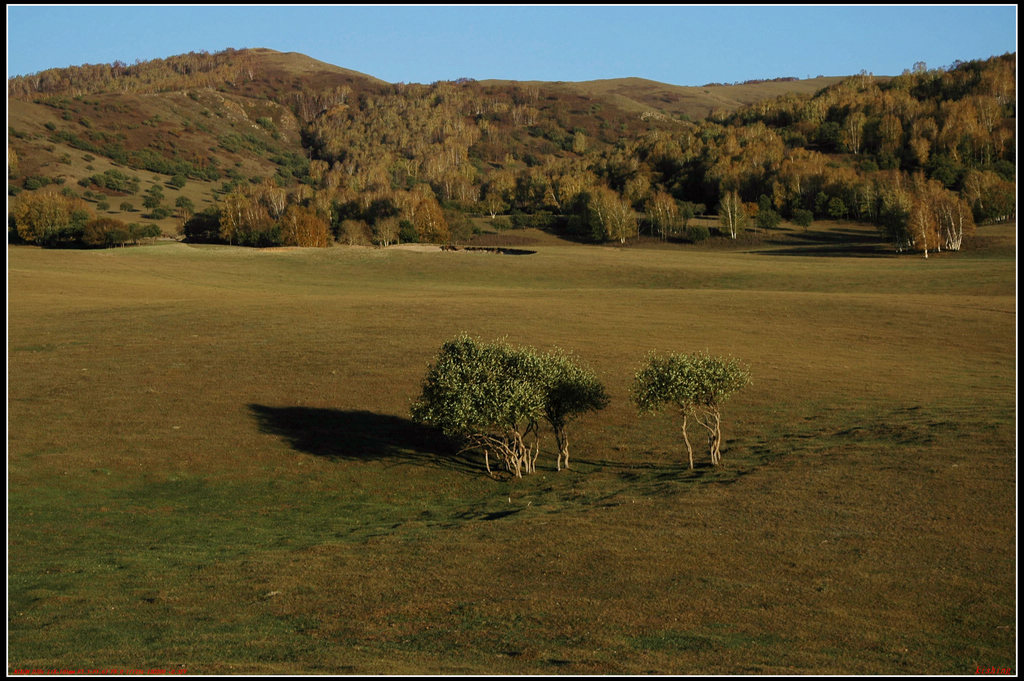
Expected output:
{"points": [[211, 466]]}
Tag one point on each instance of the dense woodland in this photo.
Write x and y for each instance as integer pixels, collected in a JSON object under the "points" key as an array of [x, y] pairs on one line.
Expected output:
{"points": [[925, 156]]}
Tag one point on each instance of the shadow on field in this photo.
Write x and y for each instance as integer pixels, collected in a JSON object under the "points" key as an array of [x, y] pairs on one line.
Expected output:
{"points": [[362, 436], [832, 242]]}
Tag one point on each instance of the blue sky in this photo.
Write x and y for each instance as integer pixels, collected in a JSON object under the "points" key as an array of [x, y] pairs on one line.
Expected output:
{"points": [[682, 45]]}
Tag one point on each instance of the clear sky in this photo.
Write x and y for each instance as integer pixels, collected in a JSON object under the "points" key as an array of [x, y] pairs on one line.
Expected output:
{"points": [[681, 45]]}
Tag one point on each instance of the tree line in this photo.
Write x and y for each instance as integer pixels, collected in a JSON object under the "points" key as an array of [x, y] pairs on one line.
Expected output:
{"points": [[924, 157]]}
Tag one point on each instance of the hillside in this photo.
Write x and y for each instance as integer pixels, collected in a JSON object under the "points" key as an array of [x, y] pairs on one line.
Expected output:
{"points": [[641, 95], [310, 153]]}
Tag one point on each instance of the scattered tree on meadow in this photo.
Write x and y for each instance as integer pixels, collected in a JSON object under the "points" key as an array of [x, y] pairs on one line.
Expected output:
{"points": [[570, 390], [695, 384], [493, 397], [487, 395]]}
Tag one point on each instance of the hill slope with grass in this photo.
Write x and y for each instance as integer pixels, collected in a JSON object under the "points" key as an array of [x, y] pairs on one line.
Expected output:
{"points": [[269, 148]]}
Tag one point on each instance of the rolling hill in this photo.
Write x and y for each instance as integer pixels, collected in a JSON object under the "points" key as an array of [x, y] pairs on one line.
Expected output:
{"points": [[64, 126], [359, 155]]}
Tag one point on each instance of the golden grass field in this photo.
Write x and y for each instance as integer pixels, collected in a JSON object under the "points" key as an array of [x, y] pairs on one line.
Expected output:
{"points": [[211, 466]]}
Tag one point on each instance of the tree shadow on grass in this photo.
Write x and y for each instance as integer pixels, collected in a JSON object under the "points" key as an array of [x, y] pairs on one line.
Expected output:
{"points": [[362, 436], [848, 243]]}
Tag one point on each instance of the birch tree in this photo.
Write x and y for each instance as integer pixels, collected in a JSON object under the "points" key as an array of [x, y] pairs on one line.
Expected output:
{"points": [[731, 214], [664, 214]]}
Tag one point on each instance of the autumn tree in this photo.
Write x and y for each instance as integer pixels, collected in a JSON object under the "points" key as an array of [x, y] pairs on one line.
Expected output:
{"points": [[663, 212], [105, 232], [731, 214], [853, 131], [429, 221], [607, 215], [386, 231], [954, 218], [49, 218], [301, 226], [245, 220]]}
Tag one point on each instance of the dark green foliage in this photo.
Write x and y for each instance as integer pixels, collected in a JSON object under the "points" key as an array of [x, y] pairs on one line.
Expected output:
{"points": [[697, 233], [37, 181], [113, 180], [803, 218], [407, 232], [203, 227], [767, 218], [836, 208]]}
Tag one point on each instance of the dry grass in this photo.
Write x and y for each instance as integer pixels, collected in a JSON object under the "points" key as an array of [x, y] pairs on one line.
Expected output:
{"points": [[639, 94], [211, 467]]}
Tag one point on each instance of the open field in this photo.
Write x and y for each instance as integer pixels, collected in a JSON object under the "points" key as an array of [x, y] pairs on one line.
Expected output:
{"points": [[211, 466]]}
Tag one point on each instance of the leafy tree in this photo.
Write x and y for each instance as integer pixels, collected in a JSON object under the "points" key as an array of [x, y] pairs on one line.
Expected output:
{"points": [[487, 395], [203, 227], [570, 390], [836, 208], [49, 218], [767, 218], [429, 221], [301, 226], [353, 232], [153, 199], [697, 233], [803, 218], [697, 385], [386, 231], [105, 232], [184, 207], [137, 231], [607, 215], [407, 232]]}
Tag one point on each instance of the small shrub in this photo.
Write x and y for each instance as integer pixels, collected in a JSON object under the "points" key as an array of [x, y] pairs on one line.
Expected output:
{"points": [[697, 233]]}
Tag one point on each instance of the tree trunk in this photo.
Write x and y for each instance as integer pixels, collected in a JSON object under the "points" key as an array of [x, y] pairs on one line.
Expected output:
{"points": [[686, 439], [562, 440]]}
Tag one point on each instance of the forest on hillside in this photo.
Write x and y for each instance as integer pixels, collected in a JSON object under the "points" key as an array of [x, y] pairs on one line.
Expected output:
{"points": [[925, 156]]}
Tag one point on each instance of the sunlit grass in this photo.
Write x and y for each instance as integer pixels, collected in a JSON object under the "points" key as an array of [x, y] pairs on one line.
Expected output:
{"points": [[211, 465]]}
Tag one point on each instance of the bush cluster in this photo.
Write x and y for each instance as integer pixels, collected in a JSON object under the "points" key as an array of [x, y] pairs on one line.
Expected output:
{"points": [[493, 397]]}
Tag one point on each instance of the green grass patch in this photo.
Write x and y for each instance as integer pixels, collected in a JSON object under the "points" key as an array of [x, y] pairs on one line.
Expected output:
{"points": [[212, 466]]}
